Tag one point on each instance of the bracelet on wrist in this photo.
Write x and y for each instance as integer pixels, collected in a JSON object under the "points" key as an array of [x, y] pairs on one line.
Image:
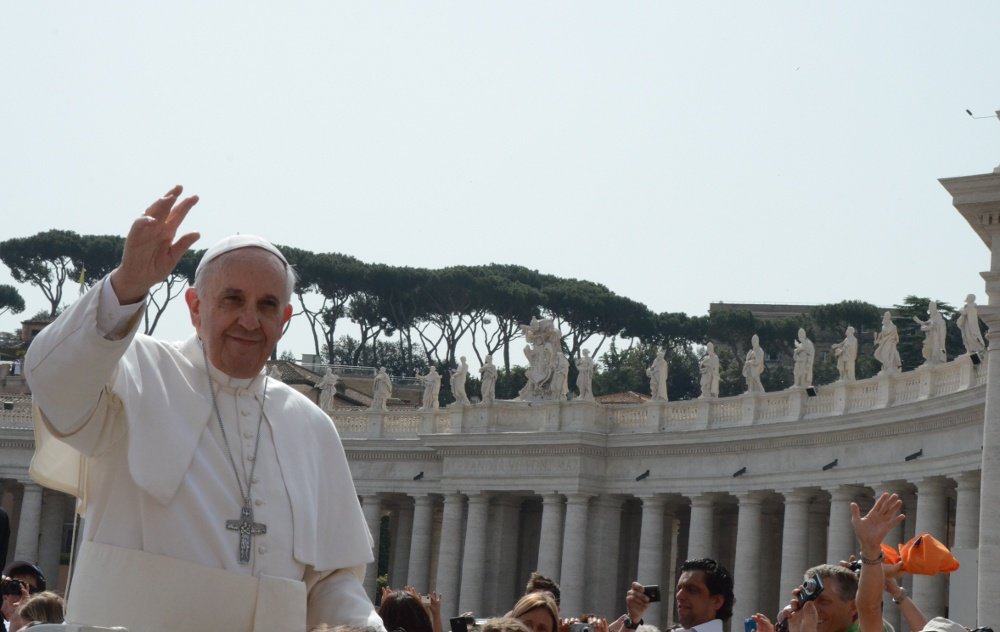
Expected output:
{"points": [[873, 561]]}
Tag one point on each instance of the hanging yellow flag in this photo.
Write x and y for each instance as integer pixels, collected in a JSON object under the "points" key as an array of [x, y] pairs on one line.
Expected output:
{"points": [[83, 286]]}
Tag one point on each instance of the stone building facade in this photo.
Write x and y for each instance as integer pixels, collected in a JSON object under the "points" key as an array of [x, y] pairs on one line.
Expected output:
{"points": [[597, 495]]}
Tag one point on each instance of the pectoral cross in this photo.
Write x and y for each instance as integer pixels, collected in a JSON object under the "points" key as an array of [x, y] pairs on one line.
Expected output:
{"points": [[247, 528]]}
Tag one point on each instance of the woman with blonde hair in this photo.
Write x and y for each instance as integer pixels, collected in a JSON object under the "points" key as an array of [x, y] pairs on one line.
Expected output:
{"points": [[43, 607], [538, 611]]}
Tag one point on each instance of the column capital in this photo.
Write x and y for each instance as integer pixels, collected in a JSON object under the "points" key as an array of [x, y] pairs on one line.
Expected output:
{"points": [[479, 498], [844, 492], [609, 501], [652, 500], [703, 499], [798, 494], [578, 498], [751, 497], [968, 480], [422, 499], [931, 485]]}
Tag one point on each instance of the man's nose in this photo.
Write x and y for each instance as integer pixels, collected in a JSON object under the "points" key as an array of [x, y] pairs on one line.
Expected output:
{"points": [[249, 319]]}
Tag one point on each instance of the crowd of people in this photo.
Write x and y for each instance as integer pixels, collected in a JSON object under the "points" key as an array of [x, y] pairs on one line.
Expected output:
{"points": [[26, 602], [843, 597]]}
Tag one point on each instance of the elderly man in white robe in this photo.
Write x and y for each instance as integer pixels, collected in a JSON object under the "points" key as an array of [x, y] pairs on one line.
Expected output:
{"points": [[215, 498]]}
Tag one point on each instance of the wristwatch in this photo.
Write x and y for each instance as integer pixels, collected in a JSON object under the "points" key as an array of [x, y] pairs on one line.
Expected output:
{"points": [[630, 624]]}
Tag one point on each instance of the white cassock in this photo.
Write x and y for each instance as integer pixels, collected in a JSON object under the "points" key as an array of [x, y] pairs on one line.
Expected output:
{"points": [[127, 426]]}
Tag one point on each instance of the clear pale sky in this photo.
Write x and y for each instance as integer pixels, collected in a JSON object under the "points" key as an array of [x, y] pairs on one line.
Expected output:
{"points": [[679, 153]]}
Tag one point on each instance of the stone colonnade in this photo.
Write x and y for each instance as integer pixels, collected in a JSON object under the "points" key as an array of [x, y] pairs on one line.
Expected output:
{"points": [[38, 521], [478, 548]]}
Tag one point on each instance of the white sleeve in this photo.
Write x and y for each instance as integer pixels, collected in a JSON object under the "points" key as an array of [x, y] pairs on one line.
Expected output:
{"points": [[339, 598], [114, 319]]}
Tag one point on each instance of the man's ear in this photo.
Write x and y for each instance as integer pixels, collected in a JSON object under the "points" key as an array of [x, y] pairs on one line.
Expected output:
{"points": [[718, 600], [194, 306], [287, 315]]}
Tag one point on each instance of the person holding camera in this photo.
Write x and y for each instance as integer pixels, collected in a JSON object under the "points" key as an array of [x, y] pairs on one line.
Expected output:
{"points": [[704, 597], [825, 602]]}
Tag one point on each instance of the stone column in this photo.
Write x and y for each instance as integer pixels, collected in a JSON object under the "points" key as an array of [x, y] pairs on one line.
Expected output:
{"points": [[371, 506], [794, 539], [932, 518], [574, 558], [450, 555], [890, 611], [672, 530], [840, 541], [977, 198], [988, 606], [550, 539], [700, 533], [961, 600], [651, 552], [506, 554], [819, 518], [471, 593], [605, 594], [50, 543], [26, 547], [746, 571], [418, 572], [967, 511], [400, 570]]}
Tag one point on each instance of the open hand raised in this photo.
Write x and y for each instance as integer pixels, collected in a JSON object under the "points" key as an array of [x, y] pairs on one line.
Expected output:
{"points": [[151, 253]]}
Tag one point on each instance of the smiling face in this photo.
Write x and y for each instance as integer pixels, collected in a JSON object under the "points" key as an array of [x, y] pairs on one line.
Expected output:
{"points": [[835, 614], [695, 605], [240, 310]]}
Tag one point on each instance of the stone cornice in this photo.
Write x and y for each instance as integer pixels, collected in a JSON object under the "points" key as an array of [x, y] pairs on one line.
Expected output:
{"points": [[695, 445]]}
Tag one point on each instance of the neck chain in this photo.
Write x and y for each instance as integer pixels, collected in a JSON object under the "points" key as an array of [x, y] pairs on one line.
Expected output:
{"points": [[245, 525]]}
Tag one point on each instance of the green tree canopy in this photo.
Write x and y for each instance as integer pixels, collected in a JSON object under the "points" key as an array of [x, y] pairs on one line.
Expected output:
{"points": [[10, 300]]}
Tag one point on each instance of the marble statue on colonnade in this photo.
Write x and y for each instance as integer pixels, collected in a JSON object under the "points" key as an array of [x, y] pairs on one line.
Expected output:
{"points": [[804, 356], [381, 390], [274, 373], [488, 380], [560, 376], [934, 336], [327, 389], [708, 366], [458, 377], [543, 351], [753, 366], [432, 388], [885, 347], [968, 324], [846, 352], [585, 376], [657, 373]]}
